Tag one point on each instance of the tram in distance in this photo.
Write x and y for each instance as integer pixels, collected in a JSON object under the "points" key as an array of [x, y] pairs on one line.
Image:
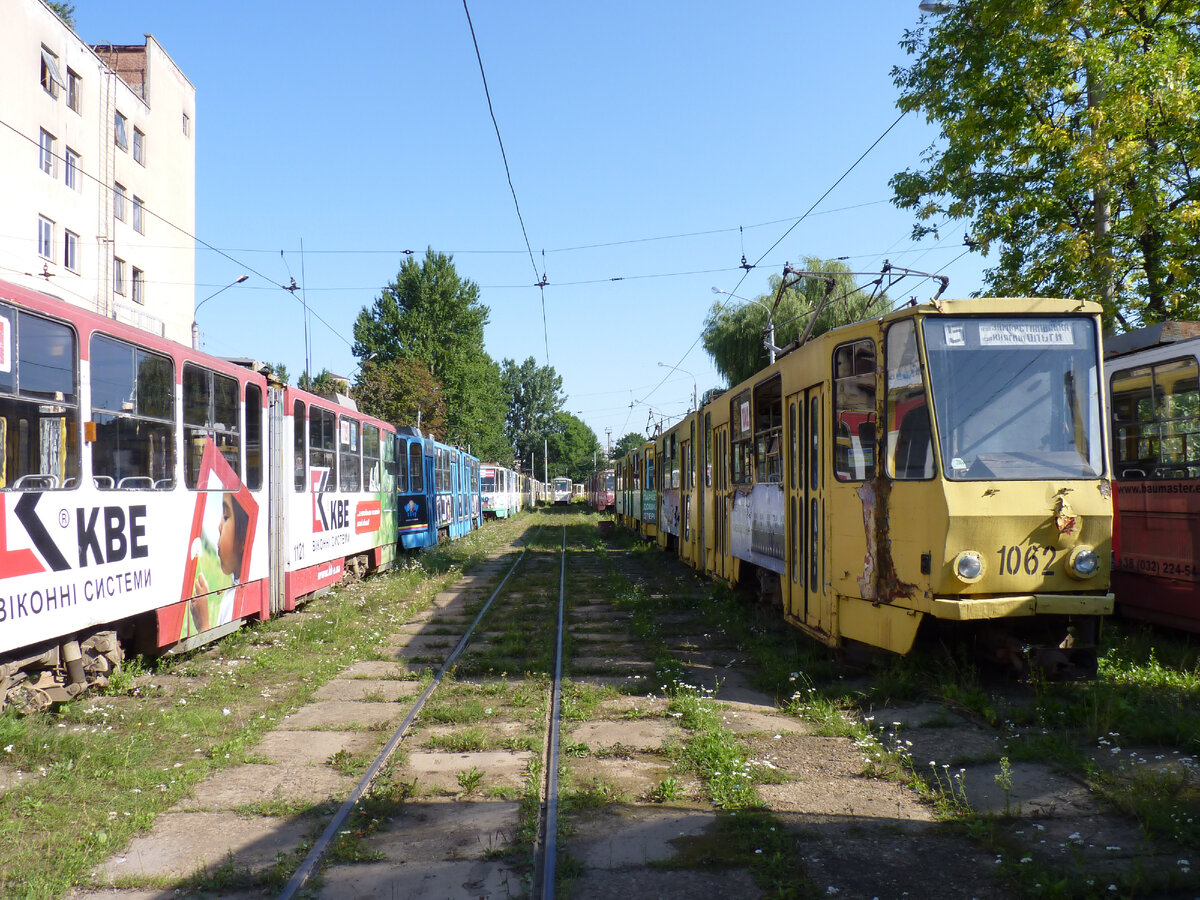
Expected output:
{"points": [[1153, 376], [560, 490], [153, 498], [941, 468], [601, 490]]}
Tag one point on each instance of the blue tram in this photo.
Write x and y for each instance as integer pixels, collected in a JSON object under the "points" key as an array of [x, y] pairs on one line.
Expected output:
{"points": [[438, 490]]}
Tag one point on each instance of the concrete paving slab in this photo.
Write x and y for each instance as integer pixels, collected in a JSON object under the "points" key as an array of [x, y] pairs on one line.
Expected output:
{"points": [[1029, 789], [313, 748], [478, 880], [432, 831], [339, 715], [842, 801], [375, 668], [257, 783], [656, 884], [616, 838], [613, 664], [436, 771], [371, 689], [747, 719], [634, 778], [636, 734], [180, 844]]}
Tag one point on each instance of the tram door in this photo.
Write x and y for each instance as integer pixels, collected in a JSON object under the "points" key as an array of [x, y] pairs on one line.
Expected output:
{"points": [[720, 564], [806, 599]]}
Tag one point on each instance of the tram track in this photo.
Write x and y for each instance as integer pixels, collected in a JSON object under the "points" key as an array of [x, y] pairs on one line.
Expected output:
{"points": [[666, 774]]}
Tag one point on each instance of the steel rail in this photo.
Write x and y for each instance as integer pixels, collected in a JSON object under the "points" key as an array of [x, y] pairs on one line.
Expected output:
{"points": [[548, 834], [316, 855]]}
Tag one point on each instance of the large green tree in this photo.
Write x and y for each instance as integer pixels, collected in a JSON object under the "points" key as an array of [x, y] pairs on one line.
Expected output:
{"points": [[1069, 143], [628, 442], [574, 448], [534, 395], [734, 330], [432, 315], [400, 391]]}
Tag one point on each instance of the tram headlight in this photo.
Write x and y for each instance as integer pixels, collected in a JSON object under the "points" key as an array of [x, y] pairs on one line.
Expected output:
{"points": [[968, 566], [1083, 563]]}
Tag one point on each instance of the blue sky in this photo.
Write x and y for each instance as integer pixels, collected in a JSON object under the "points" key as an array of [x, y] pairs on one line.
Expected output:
{"points": [[651, 146]]}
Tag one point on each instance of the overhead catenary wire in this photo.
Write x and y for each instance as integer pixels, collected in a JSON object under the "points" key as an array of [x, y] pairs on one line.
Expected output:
{"points": [[541, 279]]}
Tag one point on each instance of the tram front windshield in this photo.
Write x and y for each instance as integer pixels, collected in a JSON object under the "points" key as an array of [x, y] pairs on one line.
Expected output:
{"points": [[1015, 398]]}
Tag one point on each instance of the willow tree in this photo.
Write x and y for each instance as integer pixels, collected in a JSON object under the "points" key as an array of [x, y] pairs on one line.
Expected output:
{"points": [[734, 330], [1069, 143]]}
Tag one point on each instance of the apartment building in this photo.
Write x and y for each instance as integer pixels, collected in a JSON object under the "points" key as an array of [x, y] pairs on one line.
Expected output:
{"points": [[97, 171]]}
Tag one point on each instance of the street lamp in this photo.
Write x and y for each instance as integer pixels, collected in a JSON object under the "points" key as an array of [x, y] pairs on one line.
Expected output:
{"points": [[695, 405], [769, 340], [196, 327]]}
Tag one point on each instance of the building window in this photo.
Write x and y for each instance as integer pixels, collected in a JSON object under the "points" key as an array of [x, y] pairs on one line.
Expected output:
{"points": [[72, 169], [51, 76], [71, 250], [45, 238], [120, 137], [119, 202], [46, 152], [139, 146], [138, 225], [119, 275], [74, 90], [187, 125], [139, 286]]}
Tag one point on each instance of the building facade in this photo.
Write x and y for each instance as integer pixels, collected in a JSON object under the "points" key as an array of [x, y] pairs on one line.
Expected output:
{"points": [[97, 172]]}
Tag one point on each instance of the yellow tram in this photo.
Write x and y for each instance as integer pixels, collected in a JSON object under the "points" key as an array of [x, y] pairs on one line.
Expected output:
{"points": [[945, 463]]}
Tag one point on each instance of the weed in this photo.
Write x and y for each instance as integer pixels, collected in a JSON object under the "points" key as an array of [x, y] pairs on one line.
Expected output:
{"points": [[469, 780]]}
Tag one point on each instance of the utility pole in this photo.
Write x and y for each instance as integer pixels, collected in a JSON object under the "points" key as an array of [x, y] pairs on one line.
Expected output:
{"points": [[608, 442]]}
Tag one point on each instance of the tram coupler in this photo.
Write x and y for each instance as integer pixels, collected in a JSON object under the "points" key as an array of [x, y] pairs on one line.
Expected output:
{"points": [[1062, 663]]}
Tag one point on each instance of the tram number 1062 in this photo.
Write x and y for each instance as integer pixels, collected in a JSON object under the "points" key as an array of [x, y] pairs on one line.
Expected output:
{"points": [[1026, 561]]}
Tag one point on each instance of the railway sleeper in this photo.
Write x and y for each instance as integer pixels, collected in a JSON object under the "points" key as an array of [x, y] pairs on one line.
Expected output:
{"points": [[61, 672]]}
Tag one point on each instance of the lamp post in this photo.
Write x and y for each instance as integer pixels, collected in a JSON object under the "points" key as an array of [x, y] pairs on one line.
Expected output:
{"points": [[769, 341], [695, 404], [195, 326]]}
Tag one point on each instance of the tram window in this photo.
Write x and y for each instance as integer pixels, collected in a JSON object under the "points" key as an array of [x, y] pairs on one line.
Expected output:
{"points": [[401, 452], [649, 470], [1156, 421], [708, 450], [741, 427], [254, 455], [322, 446], [794, 444], [351, 454], [854, 411], [39, 408], [909, 434], [768, 430], [299, 445], [416, 467], [814, 444], [371, 463], [210, 413], [133, 409]]}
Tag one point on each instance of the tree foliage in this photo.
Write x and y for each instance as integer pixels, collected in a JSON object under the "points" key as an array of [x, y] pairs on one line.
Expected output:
{"points": [[324, 383], [431, 315], [534, 396], [733, 332], [1068, 143], [402, 392], [65, 11], [574, 448], [630, 441]]}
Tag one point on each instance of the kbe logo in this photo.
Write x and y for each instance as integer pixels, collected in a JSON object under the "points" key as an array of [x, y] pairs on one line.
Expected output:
{"points": [[331, 515]]}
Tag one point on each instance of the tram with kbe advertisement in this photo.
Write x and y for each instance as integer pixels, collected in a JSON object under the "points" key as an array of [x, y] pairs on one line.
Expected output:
{"points": [[940, 469], [154, 498]]}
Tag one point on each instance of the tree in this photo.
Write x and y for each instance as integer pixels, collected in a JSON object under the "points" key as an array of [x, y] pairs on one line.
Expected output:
{"points": [[631, 441], [1069, 143], [733, 332], [65, 11], [400, 391], [279, 371], [574, 448], [533, 395], [433, 316], [324, 383]]}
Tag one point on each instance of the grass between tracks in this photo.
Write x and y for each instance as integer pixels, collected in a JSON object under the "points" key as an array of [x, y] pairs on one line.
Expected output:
{"points": [[83, 778]]}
